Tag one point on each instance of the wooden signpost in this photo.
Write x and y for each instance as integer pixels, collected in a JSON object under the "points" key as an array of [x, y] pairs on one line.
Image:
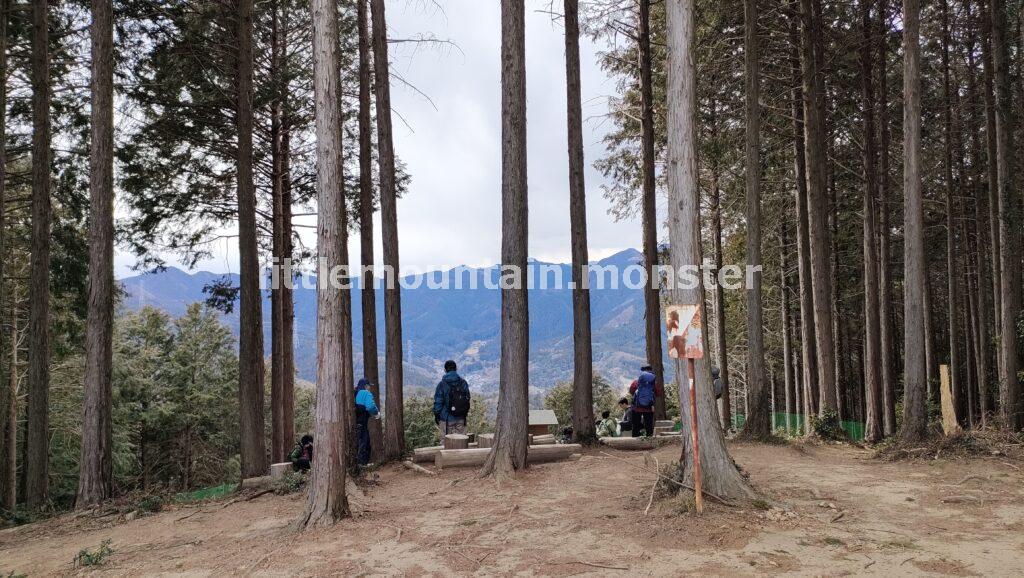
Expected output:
{"points": [[683, 324]]}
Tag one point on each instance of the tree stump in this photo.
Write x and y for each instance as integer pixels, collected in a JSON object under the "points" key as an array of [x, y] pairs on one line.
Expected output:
{"points": [[485, 440], [456, 442], [279, 471]]}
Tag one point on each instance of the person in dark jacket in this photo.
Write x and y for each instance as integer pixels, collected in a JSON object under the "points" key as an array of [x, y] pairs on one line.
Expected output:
{"points": [[451, 402], [302, 456], [645, 390], [366, 408]]}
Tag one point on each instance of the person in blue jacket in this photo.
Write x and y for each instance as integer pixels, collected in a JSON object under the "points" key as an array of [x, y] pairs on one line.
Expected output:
{"points": [[451, 402], [366, 408]]}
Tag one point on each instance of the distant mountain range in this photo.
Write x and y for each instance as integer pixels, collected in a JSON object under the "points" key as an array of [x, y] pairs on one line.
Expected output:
{"points": [[439, 324]]}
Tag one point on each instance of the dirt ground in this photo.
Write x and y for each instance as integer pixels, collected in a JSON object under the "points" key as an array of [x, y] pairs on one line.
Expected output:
{"points": [[835, 511]]}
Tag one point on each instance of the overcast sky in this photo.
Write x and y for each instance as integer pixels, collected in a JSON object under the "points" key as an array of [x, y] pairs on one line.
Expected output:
{"points": [[452, 213]]}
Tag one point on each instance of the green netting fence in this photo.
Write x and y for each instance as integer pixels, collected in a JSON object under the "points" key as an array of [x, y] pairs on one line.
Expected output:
{"points": [[854, 429]]}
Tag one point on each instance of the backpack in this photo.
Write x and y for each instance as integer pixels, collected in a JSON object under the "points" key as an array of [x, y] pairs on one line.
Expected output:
{"points": [[644, 397], [458, 398]]}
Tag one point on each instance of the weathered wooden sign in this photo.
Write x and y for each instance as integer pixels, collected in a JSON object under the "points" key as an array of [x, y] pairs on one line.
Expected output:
{"points": [[683, 324]]}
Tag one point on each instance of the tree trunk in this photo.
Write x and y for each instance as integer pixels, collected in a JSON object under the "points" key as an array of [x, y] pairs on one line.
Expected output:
{"points": [[652, 297], [37, 429], [814, 127], [980, 230], [993, 171], [1009, 222], [287, 289], [759, 422], [885, 282], [367, 294], [789, 375], [721, 476], [915, 420], [873, 428], [394, 425], [10, 456], [721, 346], [954, 303], [278, 443], [327, 502], [583, 357], [6, 441], [508, 454], [808, 340], [95, 478], [250, 319]]}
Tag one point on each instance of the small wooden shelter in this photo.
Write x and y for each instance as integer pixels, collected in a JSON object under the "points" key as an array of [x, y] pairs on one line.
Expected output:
{"points": [[541, 420]]}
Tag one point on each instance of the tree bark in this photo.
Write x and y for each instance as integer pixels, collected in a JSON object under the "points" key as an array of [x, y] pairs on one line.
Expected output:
{"points": [[808, 340], [1009, 223], [954, 303], [37, 430], [327, 502], [287, 251], [583, 427], [873, 428], [652, 296], [394, 425], [10, 456], [95, 478], [885, 282], [6, 441], [759, 420], [721, 476], [250, 322], [278, 443], [789, 376], [367, 294], [915, 420], [508, 454], [821, 274], [993, 170], [721, 345]]}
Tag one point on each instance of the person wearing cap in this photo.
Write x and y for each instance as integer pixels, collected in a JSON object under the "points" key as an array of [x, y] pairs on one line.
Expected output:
{"points": [[365, 409]]}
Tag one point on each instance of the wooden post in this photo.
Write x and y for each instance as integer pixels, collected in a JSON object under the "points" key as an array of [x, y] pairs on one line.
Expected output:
{"points": [[697, 495]]}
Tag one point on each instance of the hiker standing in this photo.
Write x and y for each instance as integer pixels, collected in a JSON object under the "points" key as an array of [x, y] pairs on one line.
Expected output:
{"points": [[451, 402], [365, 409], [644, 391]]}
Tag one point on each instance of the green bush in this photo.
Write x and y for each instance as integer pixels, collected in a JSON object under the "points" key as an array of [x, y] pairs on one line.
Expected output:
{"points": [[97, 557], [151, 504], [828, 426]]}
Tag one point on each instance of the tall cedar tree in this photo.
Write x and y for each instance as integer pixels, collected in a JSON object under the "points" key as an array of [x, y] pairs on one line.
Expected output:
{"points": [[8, 396], [583, 426], [721, 477], [508, 452], [366, 205], [649, 207], [915, 420], [250, 323], [95, 478], [759, 419], [327, 502], [37, 430], [394, 421]]}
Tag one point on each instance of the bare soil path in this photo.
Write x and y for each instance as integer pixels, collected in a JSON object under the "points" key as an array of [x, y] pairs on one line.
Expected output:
{"points": [[835, 511]]}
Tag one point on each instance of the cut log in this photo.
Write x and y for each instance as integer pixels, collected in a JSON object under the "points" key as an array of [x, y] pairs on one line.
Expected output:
{"points": [[279, 471], [544, 437], [548, 441], [475, 458], [664, 423], [635, 443], [257, 482], [427, 454], [663, 430], [456, 442], [485, 440], [418, 469]]}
